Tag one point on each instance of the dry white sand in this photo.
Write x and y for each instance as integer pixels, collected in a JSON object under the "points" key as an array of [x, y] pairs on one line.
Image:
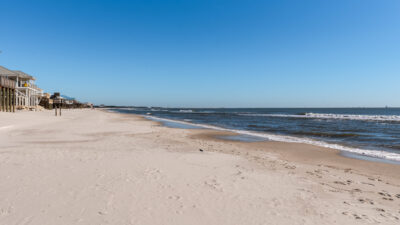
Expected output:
{"points": [[93, 167]]}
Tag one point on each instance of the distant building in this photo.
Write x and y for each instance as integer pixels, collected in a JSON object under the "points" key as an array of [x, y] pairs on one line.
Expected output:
{"points": [[46, 102]]}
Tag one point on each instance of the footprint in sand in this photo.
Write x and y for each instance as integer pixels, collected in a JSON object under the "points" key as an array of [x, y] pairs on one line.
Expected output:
{"points": [[359, 217], [339, 182], [214, 185], [368, 184], [178, 201], [385, 214], [356, 216], [174, 197], [153, 173], [290, 167], [366, 200], [386, 196], [6, 211], [314, 174]]}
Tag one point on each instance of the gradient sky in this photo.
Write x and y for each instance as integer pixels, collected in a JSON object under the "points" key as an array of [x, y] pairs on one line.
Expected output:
{"points": [[200, 53]]}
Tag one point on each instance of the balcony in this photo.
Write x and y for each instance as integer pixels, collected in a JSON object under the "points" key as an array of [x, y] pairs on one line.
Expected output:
{"points": [[28, 85]]}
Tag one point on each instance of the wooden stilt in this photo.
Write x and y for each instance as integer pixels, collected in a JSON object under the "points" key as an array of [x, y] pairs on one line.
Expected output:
{"points": [[13, 100], [7, 99], [1, 99], [4, 99]]}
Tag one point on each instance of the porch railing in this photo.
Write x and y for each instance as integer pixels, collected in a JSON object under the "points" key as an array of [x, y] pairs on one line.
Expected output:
{"points": [[29, 85]]}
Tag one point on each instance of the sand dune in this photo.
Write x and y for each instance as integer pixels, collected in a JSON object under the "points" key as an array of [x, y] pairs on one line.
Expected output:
{"points": [[95, 167]]}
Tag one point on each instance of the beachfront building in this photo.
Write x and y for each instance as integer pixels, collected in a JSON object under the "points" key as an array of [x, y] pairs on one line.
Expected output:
{"points": [[7, 91], [46, 101], [27, 94]]}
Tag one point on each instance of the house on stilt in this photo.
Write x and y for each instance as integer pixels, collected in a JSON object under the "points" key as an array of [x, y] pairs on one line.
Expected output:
{"points": [[7, 91], [27, 94]]}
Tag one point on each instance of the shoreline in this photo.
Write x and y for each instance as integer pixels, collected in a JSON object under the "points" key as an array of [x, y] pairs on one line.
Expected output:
{"points": [[296, 152], [348, 152], [293, 152], [98, 167]]}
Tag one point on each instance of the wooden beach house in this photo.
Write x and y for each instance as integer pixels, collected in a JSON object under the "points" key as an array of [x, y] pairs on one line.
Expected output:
{"points": [[7, 91], [27, 94]]}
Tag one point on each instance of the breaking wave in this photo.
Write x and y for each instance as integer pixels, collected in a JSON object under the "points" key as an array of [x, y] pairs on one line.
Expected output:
{"points": [[387, 118]]}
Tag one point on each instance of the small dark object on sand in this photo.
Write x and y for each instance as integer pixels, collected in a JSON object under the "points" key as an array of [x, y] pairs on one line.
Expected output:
{"points": [[201, 150]]}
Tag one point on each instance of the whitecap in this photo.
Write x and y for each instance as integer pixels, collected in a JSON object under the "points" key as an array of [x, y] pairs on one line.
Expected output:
{"points": [[387, 118]]}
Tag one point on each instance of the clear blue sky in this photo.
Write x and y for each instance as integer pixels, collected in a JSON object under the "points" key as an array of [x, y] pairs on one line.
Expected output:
{"points": [[200, 53]]}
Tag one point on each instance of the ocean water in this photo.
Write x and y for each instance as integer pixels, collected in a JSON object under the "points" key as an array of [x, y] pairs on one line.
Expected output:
{"points": [[372, 132]]}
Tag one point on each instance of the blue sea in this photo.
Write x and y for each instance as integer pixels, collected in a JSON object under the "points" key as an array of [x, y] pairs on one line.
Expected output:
{"points": [[370, 132]]}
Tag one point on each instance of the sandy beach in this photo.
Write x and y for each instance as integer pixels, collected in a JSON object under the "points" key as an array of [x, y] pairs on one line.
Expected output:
{"points": [[98, 167]]}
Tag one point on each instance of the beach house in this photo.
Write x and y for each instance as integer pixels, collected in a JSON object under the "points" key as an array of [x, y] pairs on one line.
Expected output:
{"points": [[7, 91], [27, 94]]}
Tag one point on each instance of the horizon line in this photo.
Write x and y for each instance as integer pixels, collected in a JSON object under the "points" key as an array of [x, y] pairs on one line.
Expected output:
{"points": [[355, 107]]}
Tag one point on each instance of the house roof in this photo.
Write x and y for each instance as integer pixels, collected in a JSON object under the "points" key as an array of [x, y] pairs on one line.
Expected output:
{"points": [[24, 75], [15, 73], [6, 72]]}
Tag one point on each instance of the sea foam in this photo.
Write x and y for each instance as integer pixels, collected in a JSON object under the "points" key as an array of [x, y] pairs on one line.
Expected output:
{"points": [[387, 118]]}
